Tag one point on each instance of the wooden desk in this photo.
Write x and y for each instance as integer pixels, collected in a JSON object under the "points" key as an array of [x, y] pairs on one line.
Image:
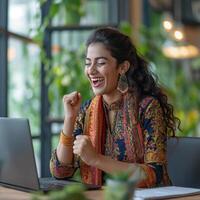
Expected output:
{"points": [[11, 194]]}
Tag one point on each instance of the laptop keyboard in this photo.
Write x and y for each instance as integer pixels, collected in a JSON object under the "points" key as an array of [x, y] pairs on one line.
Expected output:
{"points": [[52, 183]]}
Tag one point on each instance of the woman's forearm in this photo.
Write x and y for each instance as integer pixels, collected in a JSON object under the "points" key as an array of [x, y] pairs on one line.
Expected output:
{"points": [[65, 153], [109, 165]]}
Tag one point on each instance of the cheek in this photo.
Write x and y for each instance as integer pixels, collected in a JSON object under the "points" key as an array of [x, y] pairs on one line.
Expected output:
{"points": [[112, 77], [115, 80]]}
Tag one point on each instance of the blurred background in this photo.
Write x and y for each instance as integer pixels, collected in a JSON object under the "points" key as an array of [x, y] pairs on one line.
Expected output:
{"points": [[42, 57]]}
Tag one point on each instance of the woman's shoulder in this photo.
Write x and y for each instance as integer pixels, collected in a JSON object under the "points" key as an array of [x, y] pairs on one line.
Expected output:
{"points": [[145, 101], [148, 101]]}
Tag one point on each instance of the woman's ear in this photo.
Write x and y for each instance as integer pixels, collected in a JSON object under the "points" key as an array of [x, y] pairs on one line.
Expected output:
{"points": [[124, 67]]}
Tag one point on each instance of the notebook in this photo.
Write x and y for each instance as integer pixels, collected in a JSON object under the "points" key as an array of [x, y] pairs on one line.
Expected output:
{"points": [[17, 162], [167, 192]]}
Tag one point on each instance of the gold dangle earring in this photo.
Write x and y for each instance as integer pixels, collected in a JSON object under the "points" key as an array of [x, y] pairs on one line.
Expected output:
{"points": [[122, 84]]}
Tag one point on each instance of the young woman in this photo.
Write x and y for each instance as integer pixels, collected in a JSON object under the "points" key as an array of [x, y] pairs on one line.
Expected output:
{"points": [[124, 126]]}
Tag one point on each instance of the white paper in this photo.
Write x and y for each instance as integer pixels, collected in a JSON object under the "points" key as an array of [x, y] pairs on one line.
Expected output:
{"points": [[161, 192]]}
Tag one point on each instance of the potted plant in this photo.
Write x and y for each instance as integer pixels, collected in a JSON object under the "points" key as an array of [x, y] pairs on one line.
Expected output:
{"points": [[120, 186]]}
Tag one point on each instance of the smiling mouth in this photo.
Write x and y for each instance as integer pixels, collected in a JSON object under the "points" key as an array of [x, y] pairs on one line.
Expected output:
{"points": [[97, 82]]}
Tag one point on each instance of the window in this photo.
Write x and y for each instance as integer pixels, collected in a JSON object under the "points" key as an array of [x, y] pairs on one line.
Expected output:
{"points": [[23, 68]]}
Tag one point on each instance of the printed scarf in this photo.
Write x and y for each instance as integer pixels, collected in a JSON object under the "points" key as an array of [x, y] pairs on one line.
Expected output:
{"points": [[95, 128]]}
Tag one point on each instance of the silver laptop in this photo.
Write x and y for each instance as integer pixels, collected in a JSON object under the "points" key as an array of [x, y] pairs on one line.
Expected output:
{"points": [[17, 162]]}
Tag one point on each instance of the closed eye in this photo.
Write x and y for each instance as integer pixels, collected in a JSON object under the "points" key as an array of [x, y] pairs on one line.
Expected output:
{"points": [[101, 63], [87, 64]]}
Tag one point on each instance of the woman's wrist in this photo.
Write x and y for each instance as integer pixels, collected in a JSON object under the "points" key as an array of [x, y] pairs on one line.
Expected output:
{"points": [[66, 133], [69, 118], [66, 140], [68, 126]]}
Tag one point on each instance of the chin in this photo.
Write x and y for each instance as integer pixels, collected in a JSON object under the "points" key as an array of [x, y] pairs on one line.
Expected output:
{"points": [[98, 92]]}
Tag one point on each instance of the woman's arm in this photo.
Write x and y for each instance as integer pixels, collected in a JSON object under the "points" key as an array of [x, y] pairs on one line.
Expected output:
{"points": [[61, 163], [71, 104], [65, 153], [110, 166], [155, 143], [83, 147], [62, 160]]}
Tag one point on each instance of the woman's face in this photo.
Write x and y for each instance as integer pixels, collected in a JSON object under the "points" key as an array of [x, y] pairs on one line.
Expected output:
{"points": [[101, 70]]}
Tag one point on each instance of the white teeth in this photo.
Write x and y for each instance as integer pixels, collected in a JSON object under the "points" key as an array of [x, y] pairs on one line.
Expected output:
{"points": [[96, 79]]}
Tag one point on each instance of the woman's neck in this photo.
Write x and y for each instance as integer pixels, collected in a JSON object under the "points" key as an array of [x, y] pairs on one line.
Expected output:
{"points": [[111, 98]]}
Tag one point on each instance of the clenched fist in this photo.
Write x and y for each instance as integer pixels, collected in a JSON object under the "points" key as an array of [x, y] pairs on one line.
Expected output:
{"points": [[72, 104], [83, 148]]}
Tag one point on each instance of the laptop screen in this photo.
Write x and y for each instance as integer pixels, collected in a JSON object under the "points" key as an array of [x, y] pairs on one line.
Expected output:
{"points": [[17, 163]]}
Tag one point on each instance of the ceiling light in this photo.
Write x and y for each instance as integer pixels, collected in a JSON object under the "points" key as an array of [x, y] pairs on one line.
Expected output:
{"points": [[178, 35], [167, 25], [179, 51]]}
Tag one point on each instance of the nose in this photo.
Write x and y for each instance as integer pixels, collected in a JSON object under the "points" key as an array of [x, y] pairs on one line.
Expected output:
{"points": [[92, 69]]}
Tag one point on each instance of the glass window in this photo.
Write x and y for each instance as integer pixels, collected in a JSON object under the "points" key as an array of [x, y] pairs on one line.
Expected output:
{"points": [[24, 82], [70, 40], [86, 12], [55, 140], [92, 16], [23, 16]]}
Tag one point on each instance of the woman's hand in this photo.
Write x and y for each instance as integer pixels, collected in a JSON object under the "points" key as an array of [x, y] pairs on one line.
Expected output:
{"points": [[83, 148], [71, 104]]}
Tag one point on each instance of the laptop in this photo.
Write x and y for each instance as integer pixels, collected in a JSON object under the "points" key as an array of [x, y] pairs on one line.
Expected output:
{"points": [[17, 162]]}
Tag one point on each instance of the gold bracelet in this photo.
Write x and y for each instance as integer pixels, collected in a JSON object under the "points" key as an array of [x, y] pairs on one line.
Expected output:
{"points": [[66, 140]]}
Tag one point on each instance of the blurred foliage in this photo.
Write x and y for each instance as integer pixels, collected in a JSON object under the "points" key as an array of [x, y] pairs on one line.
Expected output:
{"points": [[181, 88], [175, 77], [71, 10], [126, 28], [67, 74], [120, 176], [64, 71], [120, 185]]}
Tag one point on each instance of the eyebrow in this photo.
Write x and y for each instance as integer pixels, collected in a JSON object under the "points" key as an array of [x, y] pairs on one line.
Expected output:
{"points": [[97, 58]]}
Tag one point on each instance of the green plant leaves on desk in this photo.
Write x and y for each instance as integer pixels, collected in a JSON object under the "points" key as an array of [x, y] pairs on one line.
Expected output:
{"points": [[72, 192], [120, 186], [120, 176]]}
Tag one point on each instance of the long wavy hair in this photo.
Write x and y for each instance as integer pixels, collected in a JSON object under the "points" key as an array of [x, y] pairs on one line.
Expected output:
{"points": [[140, 79]]}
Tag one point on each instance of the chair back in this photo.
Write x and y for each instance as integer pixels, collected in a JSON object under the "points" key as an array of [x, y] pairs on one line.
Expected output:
{"points": [[183, 155]]}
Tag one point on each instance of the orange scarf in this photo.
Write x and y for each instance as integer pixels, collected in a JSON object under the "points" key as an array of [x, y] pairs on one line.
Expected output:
{"points": [[95, 129]]}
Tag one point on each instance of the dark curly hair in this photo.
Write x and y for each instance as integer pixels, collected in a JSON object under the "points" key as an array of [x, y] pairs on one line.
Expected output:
{"points": [[140, 79]]}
